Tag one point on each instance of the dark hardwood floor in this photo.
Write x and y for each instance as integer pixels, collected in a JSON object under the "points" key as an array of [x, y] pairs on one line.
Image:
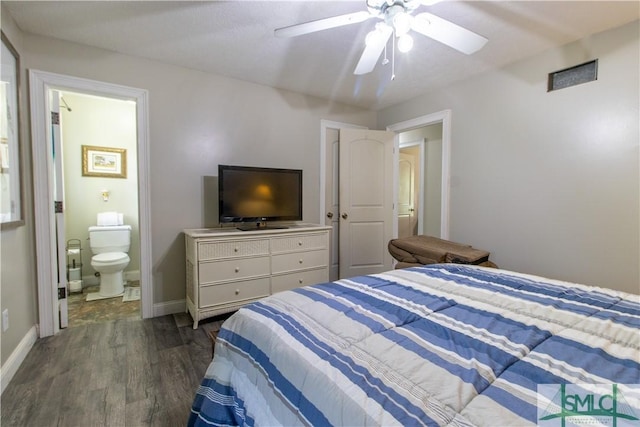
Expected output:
{"points": [[126, 372]]}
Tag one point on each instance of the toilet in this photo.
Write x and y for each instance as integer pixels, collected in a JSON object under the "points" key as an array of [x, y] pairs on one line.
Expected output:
{"points": [[109, 245]]}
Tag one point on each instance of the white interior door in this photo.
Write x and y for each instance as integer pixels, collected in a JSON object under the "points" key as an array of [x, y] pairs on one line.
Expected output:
{"points": [[407, 194], [58, 191], [366, 201]]}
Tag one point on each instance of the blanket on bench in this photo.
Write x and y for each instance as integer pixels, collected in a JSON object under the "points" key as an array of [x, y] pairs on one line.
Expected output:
{"points": [[422, 250]]}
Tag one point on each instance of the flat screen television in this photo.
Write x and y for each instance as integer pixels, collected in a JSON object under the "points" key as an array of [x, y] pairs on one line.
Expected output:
{"points": [[254, 196]]}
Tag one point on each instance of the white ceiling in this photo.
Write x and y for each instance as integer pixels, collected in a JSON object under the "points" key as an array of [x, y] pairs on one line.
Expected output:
{"points": [[236, 39]]}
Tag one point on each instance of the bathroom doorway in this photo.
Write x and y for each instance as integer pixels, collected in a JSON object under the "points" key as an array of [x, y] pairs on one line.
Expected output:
{"points": [[91, 126], [52, 301]]}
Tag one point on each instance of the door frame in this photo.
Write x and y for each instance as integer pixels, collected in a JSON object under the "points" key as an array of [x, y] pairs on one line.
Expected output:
{"points": [[443, 117], [40, 82]]}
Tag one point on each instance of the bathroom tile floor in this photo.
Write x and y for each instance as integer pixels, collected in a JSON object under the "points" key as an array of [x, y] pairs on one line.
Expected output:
{"points": [[82, 312]]}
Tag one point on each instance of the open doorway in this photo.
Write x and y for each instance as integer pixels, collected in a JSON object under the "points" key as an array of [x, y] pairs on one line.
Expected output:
{"points": [[420, 181], [432, 135], [50, 307], [410, 202], [98, 128]]}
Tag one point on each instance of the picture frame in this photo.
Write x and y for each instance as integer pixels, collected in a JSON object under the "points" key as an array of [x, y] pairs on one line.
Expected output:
{"points": [[105, 162], [11, 203]]}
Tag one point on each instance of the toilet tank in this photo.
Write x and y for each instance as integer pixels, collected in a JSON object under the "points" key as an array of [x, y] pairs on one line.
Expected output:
{"points": [[115, 238]]}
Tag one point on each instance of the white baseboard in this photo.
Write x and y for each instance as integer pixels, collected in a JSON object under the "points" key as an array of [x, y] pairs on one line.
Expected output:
{"points": [[169, 307], [10, 367]]}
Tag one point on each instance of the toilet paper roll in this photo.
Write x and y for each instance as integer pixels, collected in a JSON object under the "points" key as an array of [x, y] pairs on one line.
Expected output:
{"points": [[75, 285], [74, 274]]}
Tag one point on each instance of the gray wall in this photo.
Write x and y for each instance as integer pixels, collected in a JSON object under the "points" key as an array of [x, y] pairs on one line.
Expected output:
{"points": [[548, 182], [17, 250], [197, 121]]}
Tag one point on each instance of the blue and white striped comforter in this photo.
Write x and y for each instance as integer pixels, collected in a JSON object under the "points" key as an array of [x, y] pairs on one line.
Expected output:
{"points": [[441, 344]]}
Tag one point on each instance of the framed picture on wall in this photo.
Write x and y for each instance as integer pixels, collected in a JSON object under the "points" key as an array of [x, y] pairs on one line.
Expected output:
{"points": [[104, 162], [10, 173]]}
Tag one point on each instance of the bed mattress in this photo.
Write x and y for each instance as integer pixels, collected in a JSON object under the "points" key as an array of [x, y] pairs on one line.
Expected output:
{"points": [[439, 345]]}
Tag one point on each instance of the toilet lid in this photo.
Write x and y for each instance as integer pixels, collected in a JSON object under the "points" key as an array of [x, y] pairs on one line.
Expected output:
{"points": [[110, 257]]}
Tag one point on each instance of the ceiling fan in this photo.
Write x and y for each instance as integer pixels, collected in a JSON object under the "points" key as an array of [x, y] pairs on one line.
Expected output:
{"points": [[397, 18]]}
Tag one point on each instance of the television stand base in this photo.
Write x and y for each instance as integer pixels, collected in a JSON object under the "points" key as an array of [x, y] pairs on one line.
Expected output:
{"points": [[261, 227]]}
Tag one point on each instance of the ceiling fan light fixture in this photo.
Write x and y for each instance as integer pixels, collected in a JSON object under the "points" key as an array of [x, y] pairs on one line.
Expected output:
{"points": [[397, 20], [405, 43], [402, 23]]}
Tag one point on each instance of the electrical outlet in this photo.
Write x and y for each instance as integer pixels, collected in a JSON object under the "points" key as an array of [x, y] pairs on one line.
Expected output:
{"points": [[5, 319]]}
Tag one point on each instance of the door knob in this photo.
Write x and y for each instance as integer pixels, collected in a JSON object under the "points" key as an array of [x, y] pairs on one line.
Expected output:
{"points": [[329, 215], [345, 216]]}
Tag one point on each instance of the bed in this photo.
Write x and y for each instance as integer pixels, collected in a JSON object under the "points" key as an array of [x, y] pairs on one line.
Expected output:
{"points": [[443, 344]]}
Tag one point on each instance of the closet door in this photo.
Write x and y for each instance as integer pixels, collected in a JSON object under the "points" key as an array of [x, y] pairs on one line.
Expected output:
{"points": [[366, 201]]}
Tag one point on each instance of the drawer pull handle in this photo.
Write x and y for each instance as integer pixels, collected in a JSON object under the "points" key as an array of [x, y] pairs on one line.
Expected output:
{"points": [[237, 269], [235, 249], [300, 261], [300, 281], [300, 243], [237, 291]]}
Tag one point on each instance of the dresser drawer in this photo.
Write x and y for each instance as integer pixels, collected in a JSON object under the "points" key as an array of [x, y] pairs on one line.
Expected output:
{"points": [[233, 269], [233, 292], [285, 282], [301, 242], [284, 263], [231, 249]]}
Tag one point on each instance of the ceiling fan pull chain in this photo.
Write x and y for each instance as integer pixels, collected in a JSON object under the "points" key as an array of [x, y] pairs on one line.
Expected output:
{"points": [[393, 55], [385, 60]]}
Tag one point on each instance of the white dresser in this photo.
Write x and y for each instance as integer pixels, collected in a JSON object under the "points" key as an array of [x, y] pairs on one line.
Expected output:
{"points": [[228, 268]]}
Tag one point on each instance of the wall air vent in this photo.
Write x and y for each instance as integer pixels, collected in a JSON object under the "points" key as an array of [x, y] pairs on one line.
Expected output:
{"points": [[572, 76]]}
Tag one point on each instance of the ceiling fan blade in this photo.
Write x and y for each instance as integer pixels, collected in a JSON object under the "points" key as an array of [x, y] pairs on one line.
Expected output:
{"points": [[323, 24], [372, 51], [448, 33]]}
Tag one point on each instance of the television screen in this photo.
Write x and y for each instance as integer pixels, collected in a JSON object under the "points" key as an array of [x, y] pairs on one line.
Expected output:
{"points": [[252, 194]]}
